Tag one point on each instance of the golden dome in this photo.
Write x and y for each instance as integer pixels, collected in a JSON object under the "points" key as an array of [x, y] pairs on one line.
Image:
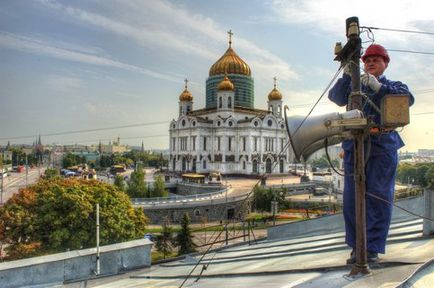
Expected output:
{"points": [[225, 85], [275, 94], [185, 95], [230, 63]]}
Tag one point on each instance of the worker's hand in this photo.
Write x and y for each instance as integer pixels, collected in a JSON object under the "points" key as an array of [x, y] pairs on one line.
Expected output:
{"points": [[371, 81], [347, 69], [341, 154]]}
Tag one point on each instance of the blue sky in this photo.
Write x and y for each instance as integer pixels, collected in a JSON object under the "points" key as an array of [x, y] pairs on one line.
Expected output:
{"points": [[77, 65]]}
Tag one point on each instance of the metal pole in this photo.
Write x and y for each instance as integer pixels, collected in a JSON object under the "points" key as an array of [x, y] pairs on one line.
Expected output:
{"points": [[355, 102], [2, 175], [97, 241], [27, 171]]}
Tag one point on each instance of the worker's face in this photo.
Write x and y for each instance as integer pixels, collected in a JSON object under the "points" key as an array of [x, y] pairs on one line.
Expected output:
{"points": [[375, 65]]}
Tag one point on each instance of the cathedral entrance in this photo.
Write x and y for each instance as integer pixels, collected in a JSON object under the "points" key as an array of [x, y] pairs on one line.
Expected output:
{"points": [[194, 165], [268, 166], [255, 166], [184, 164]]}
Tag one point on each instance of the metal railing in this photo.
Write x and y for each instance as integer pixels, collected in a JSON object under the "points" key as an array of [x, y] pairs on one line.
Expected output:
{"points": [[180, 198]]}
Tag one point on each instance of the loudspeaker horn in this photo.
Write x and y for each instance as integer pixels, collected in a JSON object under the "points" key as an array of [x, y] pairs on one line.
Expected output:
{"points": [[307, 135]]}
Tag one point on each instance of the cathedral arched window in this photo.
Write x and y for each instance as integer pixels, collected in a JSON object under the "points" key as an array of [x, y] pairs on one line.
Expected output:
{"points": [[220, 102], [279, 109], [229, 102]]}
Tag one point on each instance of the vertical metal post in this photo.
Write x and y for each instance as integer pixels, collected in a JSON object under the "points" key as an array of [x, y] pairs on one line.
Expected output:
{"points": [[27, 171], [2, 177], [97, 241], [226, 232], [244, 231], [355, 102]]}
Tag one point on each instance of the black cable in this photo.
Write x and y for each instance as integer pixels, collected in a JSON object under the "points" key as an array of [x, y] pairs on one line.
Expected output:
{"points": [[283, 150], [243, 205], [319, 99], [88, 130], [398, 30], [399, 207], [411, 51], [328, 158]]}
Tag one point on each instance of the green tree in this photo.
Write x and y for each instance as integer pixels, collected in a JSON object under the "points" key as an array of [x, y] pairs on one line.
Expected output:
{"points": [[105, 161], [71, 160], [184, 239], [159, 188], [136, 186], [421, 175], [429, 176], [165, 241], [59, 214], [406, 172], [120, 182], [262, 198], [51, 173]]}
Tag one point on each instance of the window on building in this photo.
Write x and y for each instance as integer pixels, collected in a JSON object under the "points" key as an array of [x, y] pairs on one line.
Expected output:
{"points": [[218, 143], [229, 143], [220, 102], [281, 144], [244, 165], [204, 143], [204, 164], [173, 143], [269, 144], [183, 143], [193, 143], [256, 143], [229, 102], [244, 143]]}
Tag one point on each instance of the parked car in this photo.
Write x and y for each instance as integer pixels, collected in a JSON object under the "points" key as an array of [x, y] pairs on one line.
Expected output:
{"points": [[150, 237]]}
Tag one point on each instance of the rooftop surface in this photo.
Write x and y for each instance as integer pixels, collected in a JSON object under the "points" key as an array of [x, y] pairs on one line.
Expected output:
{"points": [[308, 261]]}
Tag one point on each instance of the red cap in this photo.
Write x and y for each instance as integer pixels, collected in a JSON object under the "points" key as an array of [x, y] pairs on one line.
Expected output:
{"points": [[376, 50]]}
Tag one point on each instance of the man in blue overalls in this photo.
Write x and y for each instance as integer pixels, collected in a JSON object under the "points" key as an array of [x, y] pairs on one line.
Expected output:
{"points": [[383, 156]]}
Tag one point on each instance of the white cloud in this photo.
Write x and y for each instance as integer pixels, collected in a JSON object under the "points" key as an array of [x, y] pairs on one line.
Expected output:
{"points": [[162, 24], [36, 46], [63, 84], [330, 15]]}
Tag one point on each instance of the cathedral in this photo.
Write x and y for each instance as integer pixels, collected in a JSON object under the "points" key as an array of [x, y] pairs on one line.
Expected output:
{"points": [[229, 135]]}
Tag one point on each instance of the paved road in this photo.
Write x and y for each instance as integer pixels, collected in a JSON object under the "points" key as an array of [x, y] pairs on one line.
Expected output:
{"points": [[15, 181]]}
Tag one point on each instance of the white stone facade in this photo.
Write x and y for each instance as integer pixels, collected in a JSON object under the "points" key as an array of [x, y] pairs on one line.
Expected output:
{"points": [[229, 140]]}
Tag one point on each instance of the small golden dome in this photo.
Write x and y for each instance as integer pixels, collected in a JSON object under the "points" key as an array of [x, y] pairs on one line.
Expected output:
{"points": [[225, 85], [230, 63], [186, 95], [275, 94]]}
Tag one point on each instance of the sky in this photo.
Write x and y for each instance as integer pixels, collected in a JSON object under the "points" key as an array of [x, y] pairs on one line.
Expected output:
{"points": [[117, 68]]}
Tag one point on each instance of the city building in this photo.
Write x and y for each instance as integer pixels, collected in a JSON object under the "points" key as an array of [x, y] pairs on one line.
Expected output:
{"points": [[229, 135]]}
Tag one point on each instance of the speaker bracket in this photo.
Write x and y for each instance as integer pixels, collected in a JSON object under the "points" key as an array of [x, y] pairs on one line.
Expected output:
{"points": [[348, 123]]}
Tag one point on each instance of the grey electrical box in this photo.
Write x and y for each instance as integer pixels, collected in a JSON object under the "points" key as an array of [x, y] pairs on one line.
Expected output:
{"points": [[395, 110]]}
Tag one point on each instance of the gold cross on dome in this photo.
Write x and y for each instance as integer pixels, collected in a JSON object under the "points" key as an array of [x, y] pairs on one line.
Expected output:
{"points": [[230, 37], [186, 81], [275, 81]]}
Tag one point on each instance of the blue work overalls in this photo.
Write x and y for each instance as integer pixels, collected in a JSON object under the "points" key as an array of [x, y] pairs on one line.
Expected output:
{"points": [[380, 167]]}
